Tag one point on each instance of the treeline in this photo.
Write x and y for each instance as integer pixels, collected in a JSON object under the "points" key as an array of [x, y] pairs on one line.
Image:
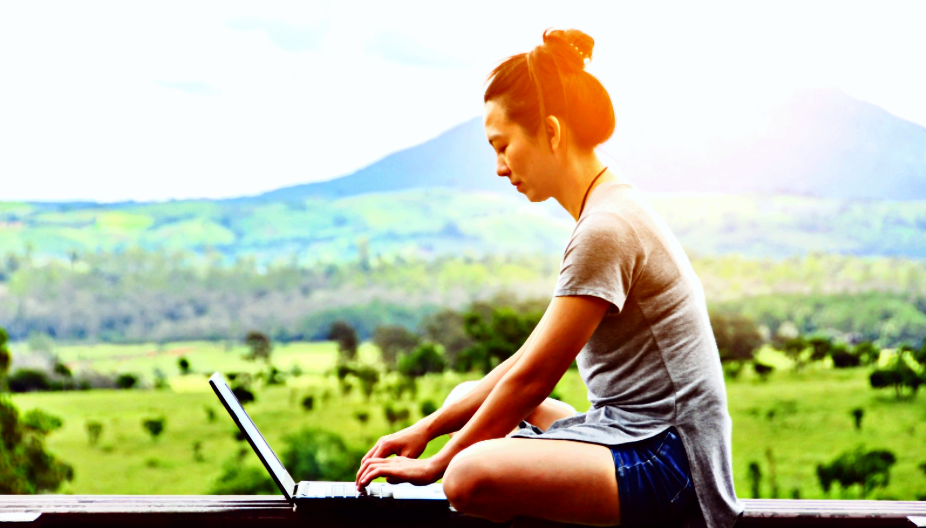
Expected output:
{"points": [[141, 296]]}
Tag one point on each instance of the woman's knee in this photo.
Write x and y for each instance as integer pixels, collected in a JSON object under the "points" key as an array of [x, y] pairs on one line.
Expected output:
{"points": [[459, 391], [467, 483]]}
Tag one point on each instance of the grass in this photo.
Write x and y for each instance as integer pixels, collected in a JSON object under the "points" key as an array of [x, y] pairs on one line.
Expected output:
{"points": [[800, 418]]}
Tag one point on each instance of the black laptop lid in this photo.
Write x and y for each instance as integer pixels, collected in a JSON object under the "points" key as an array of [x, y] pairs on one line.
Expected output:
{"points": [[266, 455]]}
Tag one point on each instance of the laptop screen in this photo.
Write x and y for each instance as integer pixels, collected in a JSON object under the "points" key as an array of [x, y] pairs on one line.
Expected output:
{"points": [[282, 478]]}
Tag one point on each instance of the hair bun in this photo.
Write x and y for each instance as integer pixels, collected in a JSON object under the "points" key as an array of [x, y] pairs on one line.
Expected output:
{"points": [[571, 44]]}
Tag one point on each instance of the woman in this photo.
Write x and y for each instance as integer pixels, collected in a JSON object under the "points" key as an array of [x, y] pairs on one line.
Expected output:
{"points": [[655, 445]]}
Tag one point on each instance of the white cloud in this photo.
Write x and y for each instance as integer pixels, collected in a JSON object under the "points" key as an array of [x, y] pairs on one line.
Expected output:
{"points": [[112, 101]]}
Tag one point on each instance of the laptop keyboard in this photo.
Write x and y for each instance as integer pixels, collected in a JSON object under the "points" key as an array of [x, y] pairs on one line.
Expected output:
{"points": [[344, 490]]}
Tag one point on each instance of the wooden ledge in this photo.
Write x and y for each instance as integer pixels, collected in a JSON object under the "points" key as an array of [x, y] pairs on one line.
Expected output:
{"points": [[231, 511]]}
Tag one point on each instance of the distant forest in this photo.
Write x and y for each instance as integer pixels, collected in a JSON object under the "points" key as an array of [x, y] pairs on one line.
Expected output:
{"points": [[160, 296]]}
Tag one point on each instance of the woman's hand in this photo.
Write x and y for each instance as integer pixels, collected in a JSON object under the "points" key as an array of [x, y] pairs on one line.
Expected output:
{"points": [[409, 442], [400, 469]]}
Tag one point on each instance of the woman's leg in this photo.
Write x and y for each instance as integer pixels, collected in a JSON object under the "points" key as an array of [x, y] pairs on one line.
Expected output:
{"points": [[545, 414], [555, 480]]}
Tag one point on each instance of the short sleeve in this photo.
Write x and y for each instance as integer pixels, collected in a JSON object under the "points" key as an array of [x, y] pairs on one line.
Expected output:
{"points": [[602, 259]]}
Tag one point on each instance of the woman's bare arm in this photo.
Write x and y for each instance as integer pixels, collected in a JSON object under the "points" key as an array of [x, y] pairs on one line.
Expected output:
{"points": [[453, 417], [411, 442], [529, 380], [526, 381]]}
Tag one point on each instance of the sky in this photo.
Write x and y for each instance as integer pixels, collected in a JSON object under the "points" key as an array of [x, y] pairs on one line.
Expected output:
{"points": [[146, 101]]}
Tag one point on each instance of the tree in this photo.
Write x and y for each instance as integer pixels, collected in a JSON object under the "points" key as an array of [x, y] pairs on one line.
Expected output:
{"points": [[424, 359], [496, 336], [347, 340], [319, 455], [394, 340], [94, 430], [843, 358], [126, 380], [259, 346], [821, 347], [447, 327], [184, 364], [857, 414], [755, 479], [867, 352], [866, 469], [154, 426], [368, 377], [5, 358], [900, 373], [394, 415], [762, 370], [737, 336], [428, 407], [238, 479], [25, 466]]}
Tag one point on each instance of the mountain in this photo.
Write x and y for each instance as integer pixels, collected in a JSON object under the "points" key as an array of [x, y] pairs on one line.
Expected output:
{"points": [[818, 143], [460, 158]]}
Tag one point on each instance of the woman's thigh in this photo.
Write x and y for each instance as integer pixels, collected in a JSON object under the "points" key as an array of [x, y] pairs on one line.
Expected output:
{"points": [[556, 480]]}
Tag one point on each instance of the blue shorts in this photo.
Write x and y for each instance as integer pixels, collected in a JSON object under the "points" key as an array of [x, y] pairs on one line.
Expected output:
{"points": [[654, 480]]}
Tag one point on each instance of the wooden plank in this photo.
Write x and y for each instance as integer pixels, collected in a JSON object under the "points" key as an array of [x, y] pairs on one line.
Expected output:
{"points": [[205, 511]]}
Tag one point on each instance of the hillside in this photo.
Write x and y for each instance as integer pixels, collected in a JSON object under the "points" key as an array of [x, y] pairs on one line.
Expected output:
{"points": [[430, 222], [820, 173]]}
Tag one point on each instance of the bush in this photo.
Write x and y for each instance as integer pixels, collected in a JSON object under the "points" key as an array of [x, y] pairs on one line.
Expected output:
{"points": [[497, 333], [28, 380], [898, 374], [426, 358], [259, 345], [737, 336], [394, 415], [762, 370], [843, 358], [394, 340], [347, 340], [243, 394], [126, 381], [238, 479], [25, 466], [154, 426], [368, 377], [184, 365], [428, 407], [5, 357], [94, 431], [866, 469], [308, 403], [319, 455]]}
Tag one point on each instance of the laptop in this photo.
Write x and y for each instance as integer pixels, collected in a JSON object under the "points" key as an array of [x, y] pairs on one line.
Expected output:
{"points": [[314, 494]]}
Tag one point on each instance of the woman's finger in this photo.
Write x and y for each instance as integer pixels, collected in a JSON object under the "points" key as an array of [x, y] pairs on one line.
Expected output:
{"points": [[363, 468], [372, 450], [371, 472]]}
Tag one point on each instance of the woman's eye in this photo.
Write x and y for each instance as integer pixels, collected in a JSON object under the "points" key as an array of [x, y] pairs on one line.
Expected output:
{"points": [[502, 150]]}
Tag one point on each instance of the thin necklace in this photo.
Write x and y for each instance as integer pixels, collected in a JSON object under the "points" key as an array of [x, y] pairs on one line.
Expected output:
{"points": [[582, 208]]}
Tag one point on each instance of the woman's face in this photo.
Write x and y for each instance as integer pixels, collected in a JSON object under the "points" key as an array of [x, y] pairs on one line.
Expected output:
{"points": [[523, 158]]}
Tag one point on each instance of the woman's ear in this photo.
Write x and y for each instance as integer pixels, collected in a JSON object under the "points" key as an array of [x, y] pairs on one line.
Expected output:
{"points": [[554, 132]]}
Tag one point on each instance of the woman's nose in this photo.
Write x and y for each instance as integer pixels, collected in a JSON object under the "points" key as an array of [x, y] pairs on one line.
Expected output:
{"points": [[501, 168]]}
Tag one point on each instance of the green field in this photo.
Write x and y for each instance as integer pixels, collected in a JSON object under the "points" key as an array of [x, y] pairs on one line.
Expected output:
{"points": [[803, 418]]}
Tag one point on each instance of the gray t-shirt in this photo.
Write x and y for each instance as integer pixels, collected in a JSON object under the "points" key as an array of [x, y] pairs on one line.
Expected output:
{"points": [[652, 362]]}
